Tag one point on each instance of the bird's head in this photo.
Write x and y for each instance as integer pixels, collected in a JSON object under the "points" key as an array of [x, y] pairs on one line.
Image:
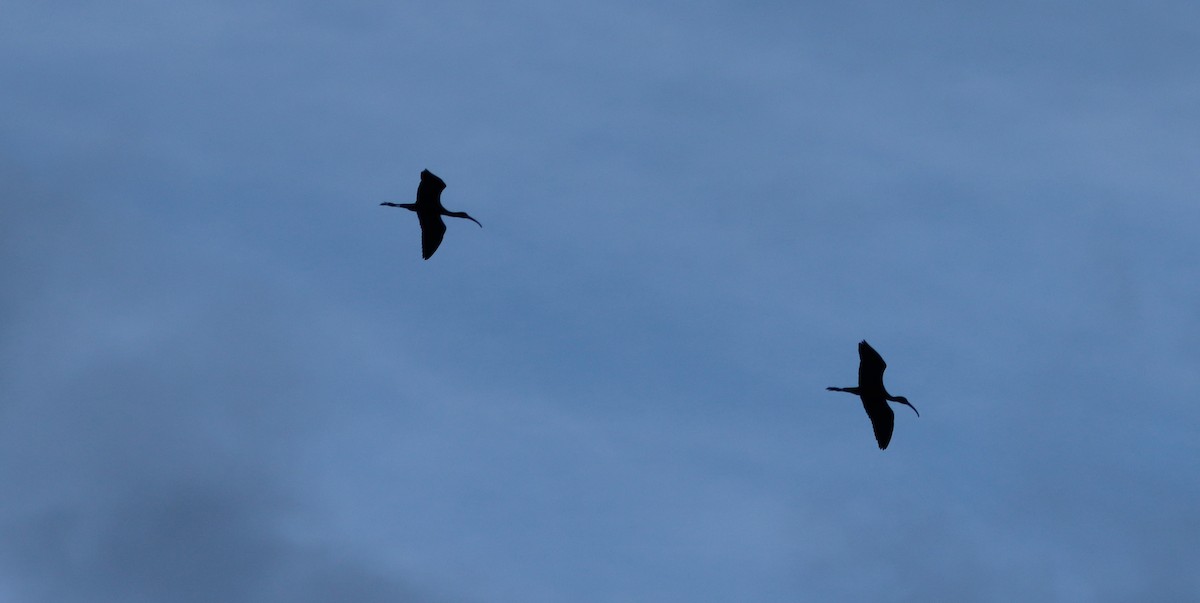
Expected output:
{"points": [[904, 401], [462, 214]]}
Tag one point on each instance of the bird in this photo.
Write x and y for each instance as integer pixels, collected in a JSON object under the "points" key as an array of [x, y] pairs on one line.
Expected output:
{"points": [[430, 211], [874, 396]]}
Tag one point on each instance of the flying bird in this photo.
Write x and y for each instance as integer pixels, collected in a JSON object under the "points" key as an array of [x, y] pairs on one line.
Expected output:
{"points": [[874, 396], [430, 211]]}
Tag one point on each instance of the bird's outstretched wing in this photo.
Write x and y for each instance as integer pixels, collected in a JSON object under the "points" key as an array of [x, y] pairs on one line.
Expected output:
{"points": [[432, 231], [429, 192], [882, 420], [870, 367]]}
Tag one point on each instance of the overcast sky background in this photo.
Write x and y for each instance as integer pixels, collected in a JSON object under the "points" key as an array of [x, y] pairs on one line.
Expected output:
{"points": [[227, 375]]}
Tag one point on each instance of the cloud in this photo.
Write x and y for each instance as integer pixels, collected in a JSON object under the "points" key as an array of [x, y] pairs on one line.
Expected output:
{"points": [[153, 392], [189, 539]]}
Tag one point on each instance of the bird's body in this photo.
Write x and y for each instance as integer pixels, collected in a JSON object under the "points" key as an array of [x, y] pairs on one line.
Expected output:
{"points": [[874, 396], [429, 212]]}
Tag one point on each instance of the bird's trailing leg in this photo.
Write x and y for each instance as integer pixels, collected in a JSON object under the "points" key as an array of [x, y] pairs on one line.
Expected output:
{"points": [[408, 206], [848, 390]]}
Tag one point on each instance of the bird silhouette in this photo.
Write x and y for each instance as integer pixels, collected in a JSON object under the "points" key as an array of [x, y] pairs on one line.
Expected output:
{"points": [[874, 396], [430, 211]]}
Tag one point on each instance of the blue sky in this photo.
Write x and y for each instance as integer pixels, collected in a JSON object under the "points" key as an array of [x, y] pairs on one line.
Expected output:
{"points": [[228, 375]]}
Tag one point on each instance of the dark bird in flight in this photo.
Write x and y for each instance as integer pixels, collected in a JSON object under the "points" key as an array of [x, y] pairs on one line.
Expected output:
{"points": [[874, 397], [430, 211]]}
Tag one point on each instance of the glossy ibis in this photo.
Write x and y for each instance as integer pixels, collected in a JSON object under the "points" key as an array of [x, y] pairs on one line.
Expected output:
{"points": [[430, 211], [874, 396]]}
